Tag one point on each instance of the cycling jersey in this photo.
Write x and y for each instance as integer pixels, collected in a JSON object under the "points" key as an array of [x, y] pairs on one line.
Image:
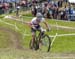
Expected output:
{"points": [[35, 22]]}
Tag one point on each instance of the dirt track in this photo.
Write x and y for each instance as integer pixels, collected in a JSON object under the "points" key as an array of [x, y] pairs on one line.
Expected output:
{"points": [[13, 36]]}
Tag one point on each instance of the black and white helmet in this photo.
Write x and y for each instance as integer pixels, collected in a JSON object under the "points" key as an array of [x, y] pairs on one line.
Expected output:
{"points": [[39, 15]]}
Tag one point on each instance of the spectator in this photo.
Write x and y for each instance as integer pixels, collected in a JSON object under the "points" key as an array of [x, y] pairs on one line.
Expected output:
{"points": [[44, 9], [23, 4], [17, 11], [50, 10], [6, 7], [60, 2], [70, 10], [1, 9], [55, 12], [66, 1], [34, 10], [67, 12], [34, 1], [39, 8], [11, 7], [49, 1]]}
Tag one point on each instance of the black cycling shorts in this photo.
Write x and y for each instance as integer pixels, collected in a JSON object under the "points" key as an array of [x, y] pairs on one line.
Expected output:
{"points": [[37, 28]]}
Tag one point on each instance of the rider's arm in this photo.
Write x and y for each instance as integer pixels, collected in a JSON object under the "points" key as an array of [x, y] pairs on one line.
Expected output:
{"points": [[46, 24], [30, 24]]}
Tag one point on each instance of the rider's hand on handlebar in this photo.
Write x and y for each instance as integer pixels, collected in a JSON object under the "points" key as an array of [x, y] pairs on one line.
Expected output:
{"points": [[34, 28], [48, 29]]}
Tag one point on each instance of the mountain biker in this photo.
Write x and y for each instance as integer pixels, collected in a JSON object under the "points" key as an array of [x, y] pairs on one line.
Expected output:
{"points": [[35, 26]]}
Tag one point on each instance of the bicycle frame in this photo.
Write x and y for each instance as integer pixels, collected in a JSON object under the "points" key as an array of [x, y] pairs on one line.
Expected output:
{"points": [[39, 41], [40, 36]]}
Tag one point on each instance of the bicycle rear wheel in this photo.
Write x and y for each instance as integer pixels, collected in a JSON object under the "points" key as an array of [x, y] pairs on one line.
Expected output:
{"points": [[45, 43]]}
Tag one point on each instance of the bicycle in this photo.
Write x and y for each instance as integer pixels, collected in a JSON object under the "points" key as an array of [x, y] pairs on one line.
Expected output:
{"points": [[42, 42]]}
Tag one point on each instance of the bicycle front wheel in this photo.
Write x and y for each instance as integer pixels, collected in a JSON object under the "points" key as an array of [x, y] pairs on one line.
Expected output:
{"points": [[45, 43]]}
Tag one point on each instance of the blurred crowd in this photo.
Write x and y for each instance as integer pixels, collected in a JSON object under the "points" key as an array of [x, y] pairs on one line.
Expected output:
{"points": [[53, 9], [8, 7], [60, 9]]}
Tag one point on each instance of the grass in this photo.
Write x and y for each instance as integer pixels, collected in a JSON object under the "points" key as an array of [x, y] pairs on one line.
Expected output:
{"points": [[64, 44], [20, 54], [62, 23], [4, 38]]}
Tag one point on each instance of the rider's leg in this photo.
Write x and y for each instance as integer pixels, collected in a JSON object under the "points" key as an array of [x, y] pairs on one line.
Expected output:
{"points": [[33, 38], [41, 30]]}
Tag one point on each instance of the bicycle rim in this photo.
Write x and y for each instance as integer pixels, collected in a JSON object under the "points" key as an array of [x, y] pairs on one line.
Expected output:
{"points": [[45, 43]]}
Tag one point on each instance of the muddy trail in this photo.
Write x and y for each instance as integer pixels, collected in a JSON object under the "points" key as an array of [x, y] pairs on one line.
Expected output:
{"points": [[27, 53], [13, 36]]}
